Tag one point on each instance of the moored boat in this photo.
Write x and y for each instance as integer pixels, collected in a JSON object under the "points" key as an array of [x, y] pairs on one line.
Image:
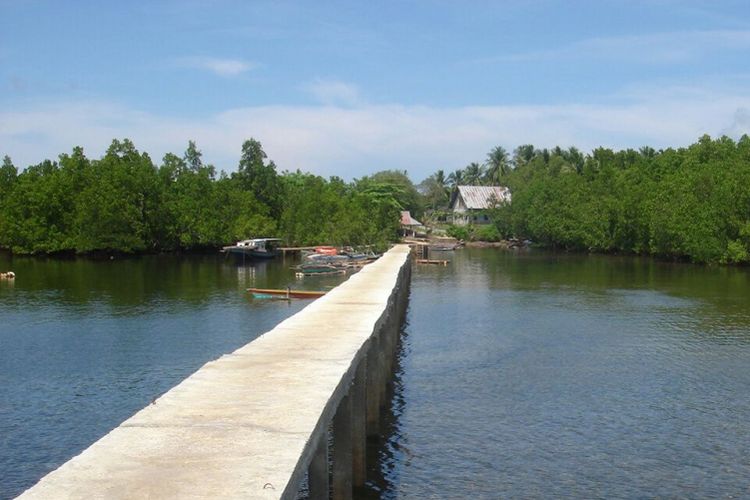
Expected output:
{"points": [[286, 293], [316, 269], [259, 248], [326, 250], [329, 260]]}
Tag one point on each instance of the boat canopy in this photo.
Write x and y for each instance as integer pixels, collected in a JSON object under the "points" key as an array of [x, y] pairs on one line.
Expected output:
{"points": [[256, 242]]}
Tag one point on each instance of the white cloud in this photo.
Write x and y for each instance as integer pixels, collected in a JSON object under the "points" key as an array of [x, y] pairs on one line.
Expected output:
{"points": [[356, 140], [334, 92], [217, 66], [656, 48]]}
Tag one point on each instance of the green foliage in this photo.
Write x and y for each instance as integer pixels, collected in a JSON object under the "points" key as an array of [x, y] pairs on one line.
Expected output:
{"points": [[737, 253], [473, 174], [484, 232], [259, 177], [434, 191], [487, 233], [119, 205], [459, 232], [497, 166], [320, 211], [691, 203], [502, 220], [393, 185], [8, 175], [123, 202]]}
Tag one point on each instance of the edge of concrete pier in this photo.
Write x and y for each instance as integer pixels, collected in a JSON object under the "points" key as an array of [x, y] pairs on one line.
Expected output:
{"points": [[254, 423]]}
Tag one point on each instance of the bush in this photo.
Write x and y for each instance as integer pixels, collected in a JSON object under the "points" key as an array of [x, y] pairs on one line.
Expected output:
{"points": [[736, 253], [487, 233], [459, 232]]}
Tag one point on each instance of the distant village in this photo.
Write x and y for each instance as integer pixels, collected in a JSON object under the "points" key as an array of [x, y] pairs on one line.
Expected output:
{"points": [[468, 207]]}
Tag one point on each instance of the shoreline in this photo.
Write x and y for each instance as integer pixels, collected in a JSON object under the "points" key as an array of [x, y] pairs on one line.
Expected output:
{"points": [[515, 245]]}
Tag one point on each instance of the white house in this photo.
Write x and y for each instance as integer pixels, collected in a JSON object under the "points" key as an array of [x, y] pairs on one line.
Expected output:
{"points": [[468, 203]]}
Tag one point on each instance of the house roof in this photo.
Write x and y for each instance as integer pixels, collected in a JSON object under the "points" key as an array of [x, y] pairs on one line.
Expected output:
{"points": [[408, 220], [480, 197]]}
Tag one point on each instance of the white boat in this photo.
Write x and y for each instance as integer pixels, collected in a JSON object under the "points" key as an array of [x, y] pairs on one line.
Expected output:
{"points": [[260, 248]]}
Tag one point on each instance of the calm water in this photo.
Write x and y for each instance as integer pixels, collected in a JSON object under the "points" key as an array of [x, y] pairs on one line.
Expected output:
{"points": [[530, 375], [85, 344], [520, 375]]}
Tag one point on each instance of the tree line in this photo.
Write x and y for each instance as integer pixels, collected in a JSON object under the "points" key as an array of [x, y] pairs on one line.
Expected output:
{"points": [[688, 203], [124, 202]]}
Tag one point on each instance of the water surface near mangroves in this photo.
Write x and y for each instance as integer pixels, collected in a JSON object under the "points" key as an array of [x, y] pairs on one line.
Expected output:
{"points": [[533, 375], [520, 374], [85, 344]]}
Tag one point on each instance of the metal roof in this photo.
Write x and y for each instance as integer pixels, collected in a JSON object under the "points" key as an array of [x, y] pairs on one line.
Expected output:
{"points": [[408, 220], [481, 197]]}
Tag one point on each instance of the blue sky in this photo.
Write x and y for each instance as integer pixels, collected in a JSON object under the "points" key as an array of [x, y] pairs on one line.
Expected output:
{"points": [[348, 88]]}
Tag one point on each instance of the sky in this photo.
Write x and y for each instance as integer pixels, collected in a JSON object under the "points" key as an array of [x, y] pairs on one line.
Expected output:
{"points": [[349, 88]]}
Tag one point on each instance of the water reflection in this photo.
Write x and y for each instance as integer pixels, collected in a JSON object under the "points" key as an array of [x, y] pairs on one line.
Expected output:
{"points": [[391, 449], [86, 343], [538, 375]]}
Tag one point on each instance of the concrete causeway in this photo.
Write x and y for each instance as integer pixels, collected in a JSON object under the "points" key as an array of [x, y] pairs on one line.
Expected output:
{"points": [[251, 423]]}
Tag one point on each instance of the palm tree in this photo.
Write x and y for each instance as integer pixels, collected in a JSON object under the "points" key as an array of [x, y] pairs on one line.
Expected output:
{"points": [[523, 155], [473, 173], [440, 177], [442, 181], [647, 152], [576, 158], [497, 165], [456, 178]]}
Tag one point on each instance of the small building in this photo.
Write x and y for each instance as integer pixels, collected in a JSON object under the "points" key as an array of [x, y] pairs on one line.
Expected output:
{"points": [[468, 203], [409, 224]]}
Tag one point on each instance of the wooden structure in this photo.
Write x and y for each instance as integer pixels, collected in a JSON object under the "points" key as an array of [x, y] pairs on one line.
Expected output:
{"points": [[409, 224]]}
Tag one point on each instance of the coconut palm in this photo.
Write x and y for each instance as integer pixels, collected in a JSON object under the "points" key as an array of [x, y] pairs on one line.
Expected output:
{"points": [[456, 178], [440, 177], [473, 173], [497, 165], [523, 155]]}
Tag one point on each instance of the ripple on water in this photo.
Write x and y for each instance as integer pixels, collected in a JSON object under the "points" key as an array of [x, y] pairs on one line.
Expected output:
{"points": [[86, 344], [522, 380]]}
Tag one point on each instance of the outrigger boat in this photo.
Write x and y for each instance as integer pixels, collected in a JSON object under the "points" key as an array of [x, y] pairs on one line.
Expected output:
{"points": [[330, 261], [259, 248], [285, 294], [315, 269]]}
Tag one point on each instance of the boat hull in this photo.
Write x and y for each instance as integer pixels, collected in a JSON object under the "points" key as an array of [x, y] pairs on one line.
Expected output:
{"points": [[255, 254], [294, 294]]}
